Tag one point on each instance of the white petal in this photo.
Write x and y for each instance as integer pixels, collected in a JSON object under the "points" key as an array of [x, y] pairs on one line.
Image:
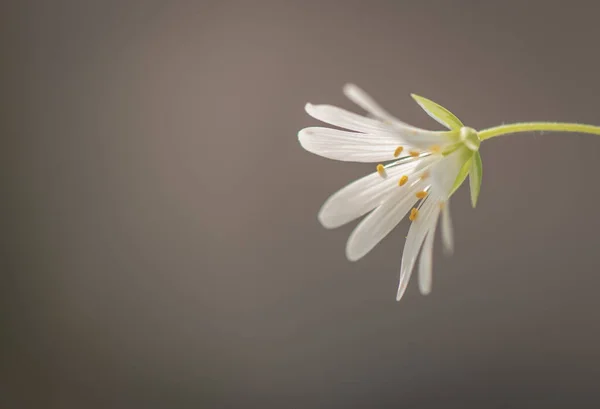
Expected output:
{"points": [[364, 100], [348, 146], [363, 195], [426, 140], [425, 220], [346, 119], [412, 136], [446, 171], [426, 262], [381, 221], [444, 175], [447, 233], [403, 134]]}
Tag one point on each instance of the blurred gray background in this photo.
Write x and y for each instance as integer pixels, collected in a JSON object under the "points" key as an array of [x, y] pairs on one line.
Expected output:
{"points": [[159, 234]]}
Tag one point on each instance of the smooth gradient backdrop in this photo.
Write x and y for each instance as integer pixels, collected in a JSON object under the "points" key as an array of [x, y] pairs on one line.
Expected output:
{"points": [[159, 234]]}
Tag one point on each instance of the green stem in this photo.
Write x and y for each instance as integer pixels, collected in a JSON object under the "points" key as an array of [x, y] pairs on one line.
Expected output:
{"points": [[537, 126]]}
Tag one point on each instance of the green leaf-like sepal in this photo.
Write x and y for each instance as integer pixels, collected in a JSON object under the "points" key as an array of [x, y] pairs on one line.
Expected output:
{"points": [[475, 176], [462, 174], [438, 112]]}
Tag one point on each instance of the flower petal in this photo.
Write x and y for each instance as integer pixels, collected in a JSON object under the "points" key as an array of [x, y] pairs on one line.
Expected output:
{"points": [[427, 218], [382, 221], [426, 262], [348, 146], [426, 140], [447, 232], [345, 119], [363, 195], [403, 134], [364, 100], [445, 173]]}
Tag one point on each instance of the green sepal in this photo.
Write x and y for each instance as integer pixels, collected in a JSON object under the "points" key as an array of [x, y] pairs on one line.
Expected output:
{"points": [[462, 175], [438, 112], [475, 176]]}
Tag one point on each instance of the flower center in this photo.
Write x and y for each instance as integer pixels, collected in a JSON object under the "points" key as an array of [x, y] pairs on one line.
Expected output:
{"points": [[470, 138]]}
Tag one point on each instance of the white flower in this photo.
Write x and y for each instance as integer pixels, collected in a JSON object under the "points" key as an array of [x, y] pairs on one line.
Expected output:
{"points": [[425, 169]]}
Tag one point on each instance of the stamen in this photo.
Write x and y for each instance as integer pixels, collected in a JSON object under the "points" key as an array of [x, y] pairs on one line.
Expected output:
{"points": [[425, 175], [398, 151], [381, 170], [413, 214], [403, 180], [442, 205], [414, 154], [421, 195], [435, 149]]}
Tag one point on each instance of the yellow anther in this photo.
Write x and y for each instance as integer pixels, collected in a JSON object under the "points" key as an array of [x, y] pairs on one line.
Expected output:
{"points": [[398, 151], [414, 154], [403, 180], [425, 175], [421, 195], [442, 205], [413, 214], [381, 170], [435, 149]]}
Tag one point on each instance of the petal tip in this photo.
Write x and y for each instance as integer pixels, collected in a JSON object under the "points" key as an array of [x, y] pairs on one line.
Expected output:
{"points": [[448, 251], [352, 254], [304, 137], [303, 132], [325, 221], [401, 290], [349, 88]]}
